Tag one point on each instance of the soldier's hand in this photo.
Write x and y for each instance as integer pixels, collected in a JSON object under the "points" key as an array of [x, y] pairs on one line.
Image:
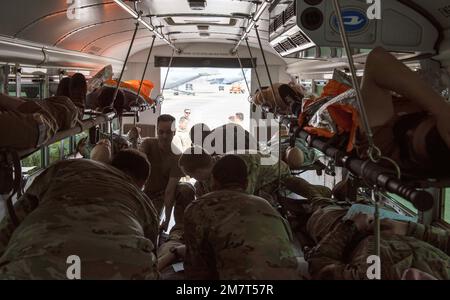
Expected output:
{"points": [[363, 222], [393, 227], [164, 225]]}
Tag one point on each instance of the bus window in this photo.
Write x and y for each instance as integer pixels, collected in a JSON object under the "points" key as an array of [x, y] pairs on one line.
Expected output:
{"points": [[77, 139], [446, 207], [54, 152], [67, 150], [33, 160]]}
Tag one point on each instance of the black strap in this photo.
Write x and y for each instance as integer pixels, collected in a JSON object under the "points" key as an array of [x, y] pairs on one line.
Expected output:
{"points": [[13, 184]]}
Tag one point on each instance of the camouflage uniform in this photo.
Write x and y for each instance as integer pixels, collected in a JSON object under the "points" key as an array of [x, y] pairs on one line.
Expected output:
{"points": [[342, 251], [184, 194], [232, 235], [37, 121], [263, 179], [84, 208]]}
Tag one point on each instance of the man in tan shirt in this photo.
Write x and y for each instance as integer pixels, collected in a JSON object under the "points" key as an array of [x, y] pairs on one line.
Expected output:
{"points": [[163, 187]]}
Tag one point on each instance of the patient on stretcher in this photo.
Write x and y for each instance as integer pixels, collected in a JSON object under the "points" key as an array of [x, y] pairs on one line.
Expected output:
{"points": [[38, 121], [409, 120], [344, 244]]}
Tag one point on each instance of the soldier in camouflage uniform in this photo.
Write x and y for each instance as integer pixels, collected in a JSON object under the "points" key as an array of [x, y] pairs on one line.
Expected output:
{"points": [[84, 208], [343, 247], [262, 177], [343, 253], [230, 234]]}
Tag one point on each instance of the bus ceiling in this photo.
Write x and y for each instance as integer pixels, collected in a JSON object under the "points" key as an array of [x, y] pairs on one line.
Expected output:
{"points": [[92, 33]]}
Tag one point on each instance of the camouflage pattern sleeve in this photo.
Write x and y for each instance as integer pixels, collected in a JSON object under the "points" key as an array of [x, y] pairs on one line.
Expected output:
{"points": [[262, 171], [303, 188], [195, 263], [437, 237], [321, 202], [24, 206], [326, 260], [202, 188], [151, 220]]}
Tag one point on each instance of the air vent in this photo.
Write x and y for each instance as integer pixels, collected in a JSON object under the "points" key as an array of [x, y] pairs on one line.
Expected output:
{"points": [[271, 28], [278, 22], [203, 27], [197, 4], [289, 12], [287, 44], [279, 49], [299, 39]]}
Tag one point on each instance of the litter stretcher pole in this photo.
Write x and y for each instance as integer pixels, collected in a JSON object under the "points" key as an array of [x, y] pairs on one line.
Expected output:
{"points": [[167, 73], [116, 91], [145, 69], [375, 198], [274, 102], [243, 73], [254, 67], [143, 76], [265, 64], [125, 64]]}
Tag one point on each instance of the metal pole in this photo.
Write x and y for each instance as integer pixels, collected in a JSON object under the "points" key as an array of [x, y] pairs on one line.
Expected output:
{"points": [[18, 81], [255, 18], [275, 104], [167, 73], [346, 44], [124, 64], [376, 220], [254, 67], [150, 27], [243, 73], [267, 67], [111, 136], [145, 69]]}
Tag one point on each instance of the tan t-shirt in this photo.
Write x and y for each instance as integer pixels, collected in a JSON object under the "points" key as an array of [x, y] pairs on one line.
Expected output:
{"points": [[163, 166]]}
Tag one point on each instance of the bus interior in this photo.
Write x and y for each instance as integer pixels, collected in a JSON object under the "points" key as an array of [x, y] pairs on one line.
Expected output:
{"points": [[222, 62]]}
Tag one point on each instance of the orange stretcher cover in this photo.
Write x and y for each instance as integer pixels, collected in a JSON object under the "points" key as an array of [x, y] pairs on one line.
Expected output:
{"points": [[132, 86], [345, 116]]}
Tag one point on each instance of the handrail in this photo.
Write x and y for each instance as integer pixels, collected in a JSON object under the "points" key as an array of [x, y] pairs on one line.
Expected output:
{"points": [[254, 20]]}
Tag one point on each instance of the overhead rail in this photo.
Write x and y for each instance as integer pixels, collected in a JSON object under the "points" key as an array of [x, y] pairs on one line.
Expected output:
{"points": [[34, 54], [150, 27], [255, 18]]}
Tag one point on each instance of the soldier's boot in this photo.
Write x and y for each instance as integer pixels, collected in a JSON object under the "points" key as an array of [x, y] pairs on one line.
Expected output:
{"points": [[305, 189]]}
